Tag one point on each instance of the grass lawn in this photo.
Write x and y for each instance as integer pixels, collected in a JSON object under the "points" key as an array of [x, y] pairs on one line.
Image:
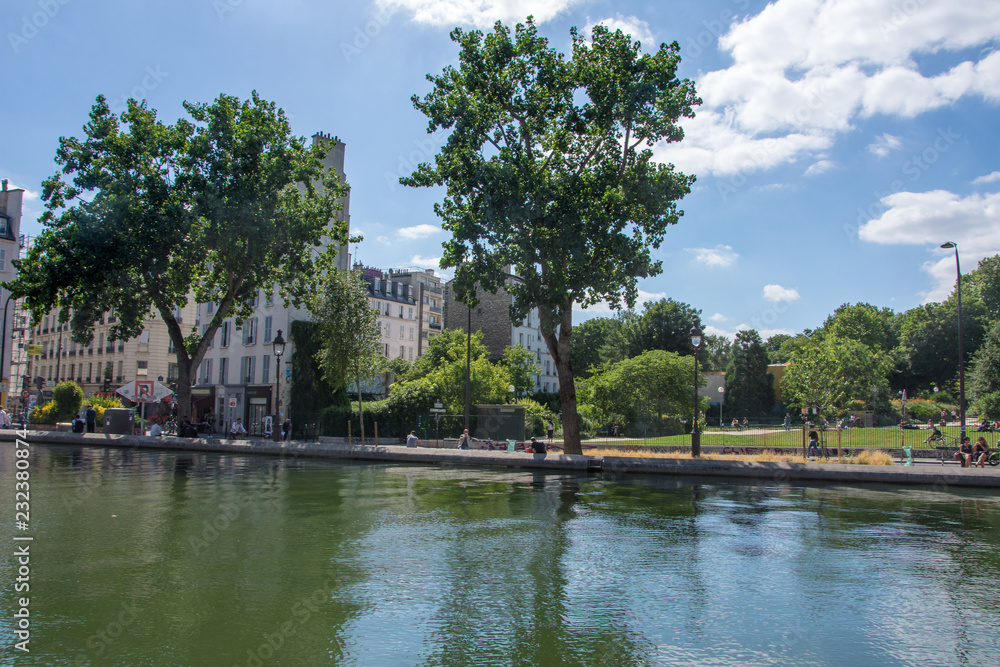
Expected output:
{"points": [[854, 438]]}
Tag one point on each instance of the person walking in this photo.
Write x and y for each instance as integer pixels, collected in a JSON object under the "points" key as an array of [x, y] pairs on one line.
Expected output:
{"points": [[788, 422], [550, 429], [286, 429], [91, 418], [813, 443]]}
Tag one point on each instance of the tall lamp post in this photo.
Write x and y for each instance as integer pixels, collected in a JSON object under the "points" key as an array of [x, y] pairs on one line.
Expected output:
{"points": [[961, 348], [696, 335], [722, 399], [278, 346]]}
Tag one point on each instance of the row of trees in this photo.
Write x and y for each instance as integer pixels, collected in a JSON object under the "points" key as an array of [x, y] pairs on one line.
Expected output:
{"points": [[861, 354]]}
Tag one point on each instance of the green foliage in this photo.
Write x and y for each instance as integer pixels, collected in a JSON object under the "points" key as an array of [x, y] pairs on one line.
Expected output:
{"points": [[654, 383], [536, 417], [596, 342], [521, 366], [717, 352], [664, 325], [349, 332], [929, 338], [446, 348], [309, 393], [919, 410], [989, 405], [985, 375], [408, 400], [749, 387], [830, 373], [864, 323], [67, 397], [399, 366], [984, 284], [46, 413], [144, 214], [543, 173]]}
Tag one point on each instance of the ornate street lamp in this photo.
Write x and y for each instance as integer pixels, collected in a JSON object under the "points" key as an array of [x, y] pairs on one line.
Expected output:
{"points": [[961, 350], [696, 334], [278, 346]]}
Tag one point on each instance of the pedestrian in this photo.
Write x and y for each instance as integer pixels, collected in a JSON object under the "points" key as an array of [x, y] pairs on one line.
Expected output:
{"points": [[788, 422], [412, 439], [813, 443], [463, 442], [91, 417], [550, 430], [286, 429]]}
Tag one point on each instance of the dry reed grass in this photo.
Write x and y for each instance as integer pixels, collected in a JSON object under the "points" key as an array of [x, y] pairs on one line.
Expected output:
{"points": [[864, 458]]}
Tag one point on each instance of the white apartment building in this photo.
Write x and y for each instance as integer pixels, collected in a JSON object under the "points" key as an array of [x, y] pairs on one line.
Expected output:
{"points": [[237, 377], [14, 323]]}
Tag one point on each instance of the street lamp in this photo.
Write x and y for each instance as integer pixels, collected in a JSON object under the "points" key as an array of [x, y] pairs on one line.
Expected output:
{"points": [[696, 334], [278, 346], [722, 399], [961, 348]]}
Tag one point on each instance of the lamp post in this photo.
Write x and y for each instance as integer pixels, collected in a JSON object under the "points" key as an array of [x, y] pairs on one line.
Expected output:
{"points": [[278, 346], [468, 369], [696, 334], [722, 399], [961, 348]]}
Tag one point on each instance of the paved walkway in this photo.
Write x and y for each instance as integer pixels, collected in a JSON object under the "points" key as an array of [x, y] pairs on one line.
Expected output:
{"points": [[930, 474]]}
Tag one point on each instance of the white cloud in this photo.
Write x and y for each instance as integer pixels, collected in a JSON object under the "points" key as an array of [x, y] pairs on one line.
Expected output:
{"points": [[989, 178], [480, 13], [384, 239], [817, 168], [884, 144], [418, 232], [779, 293], [731, 334], [718, 317], [720, 255], [630, 25], [426, 262], [805, 70], [931, 218], [603, 309]]}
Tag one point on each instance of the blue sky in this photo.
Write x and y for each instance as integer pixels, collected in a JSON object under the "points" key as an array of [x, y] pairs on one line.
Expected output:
{"points": [[839, 144]]}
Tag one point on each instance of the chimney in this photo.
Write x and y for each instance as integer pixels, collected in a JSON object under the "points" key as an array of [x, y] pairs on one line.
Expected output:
{"points": [[5, 185]]}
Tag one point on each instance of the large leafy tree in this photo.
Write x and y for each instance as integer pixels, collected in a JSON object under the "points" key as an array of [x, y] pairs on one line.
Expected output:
{"points": [[829, 373], [522, 366], [664, 325], [350, 332], [655, 382], [749, 387], [984, 283], [144, 214], [548, 170], [864, 323], [929, 340], [596, 342], [985, 375]]}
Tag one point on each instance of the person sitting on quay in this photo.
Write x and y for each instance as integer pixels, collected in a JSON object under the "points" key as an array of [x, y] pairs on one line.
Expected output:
{"points": [[979, 453], [964, 453], [155, 430]]}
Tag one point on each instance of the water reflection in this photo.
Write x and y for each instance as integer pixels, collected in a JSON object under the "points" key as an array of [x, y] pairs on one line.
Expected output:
{"points": [[205, 559]]}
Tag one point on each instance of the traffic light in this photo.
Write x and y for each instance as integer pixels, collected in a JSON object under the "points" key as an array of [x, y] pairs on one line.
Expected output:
{"points": [[107, 384], [25, 382]]}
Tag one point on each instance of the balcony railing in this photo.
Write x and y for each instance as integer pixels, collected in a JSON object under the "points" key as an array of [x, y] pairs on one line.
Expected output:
{"points": [[434, 325]]}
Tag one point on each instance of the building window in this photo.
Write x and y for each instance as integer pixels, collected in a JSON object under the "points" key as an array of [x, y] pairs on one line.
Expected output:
{"points": [[3, 251], [409, 313], [246, 370], [265, 369], [411, 333], [269, 299], [143, 338], [401, 333], [411, 354], [208, 371], [223, 370], [225, 335], [209, 307], [250, 331], [267, 330], [400, 312], [141, 368]]}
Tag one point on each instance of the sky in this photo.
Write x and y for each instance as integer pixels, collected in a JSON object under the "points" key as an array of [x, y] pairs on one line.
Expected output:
{"points": [[838, 145]]}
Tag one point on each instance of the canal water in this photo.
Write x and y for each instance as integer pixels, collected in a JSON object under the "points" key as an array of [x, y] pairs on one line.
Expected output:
{"points": [[153, 558]]}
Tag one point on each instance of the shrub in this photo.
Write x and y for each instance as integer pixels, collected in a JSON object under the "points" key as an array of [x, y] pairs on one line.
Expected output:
{"points": [[43, 414], [989, 405], [102, 403], [67, 397]]}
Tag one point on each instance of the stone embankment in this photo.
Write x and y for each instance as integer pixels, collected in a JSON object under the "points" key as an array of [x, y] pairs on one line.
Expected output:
{"points": [[934, 475]]}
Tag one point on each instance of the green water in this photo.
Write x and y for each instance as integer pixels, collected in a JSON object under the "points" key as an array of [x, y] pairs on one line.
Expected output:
{"points": [[146, 558]]}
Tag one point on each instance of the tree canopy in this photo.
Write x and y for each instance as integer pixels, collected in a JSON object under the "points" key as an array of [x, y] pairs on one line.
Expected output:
{"points": [[549, 172], [749, 387], [143, 215], [829, 373]]}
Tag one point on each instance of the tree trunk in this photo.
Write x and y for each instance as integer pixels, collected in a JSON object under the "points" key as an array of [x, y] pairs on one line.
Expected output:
{"points": [[558, 345]]}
